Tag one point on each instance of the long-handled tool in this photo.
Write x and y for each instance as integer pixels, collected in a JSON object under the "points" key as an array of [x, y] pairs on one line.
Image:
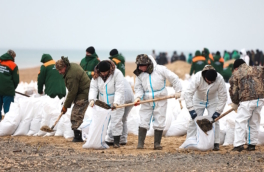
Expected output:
{"points": [[106, 106], [22, 94], [207, 125], [47, 129]]}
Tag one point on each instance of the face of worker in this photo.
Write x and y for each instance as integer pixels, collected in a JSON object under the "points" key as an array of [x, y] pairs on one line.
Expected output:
{"points": [[208, 82], [88, 54], [62, 71], [104, 73], [143, 68]]}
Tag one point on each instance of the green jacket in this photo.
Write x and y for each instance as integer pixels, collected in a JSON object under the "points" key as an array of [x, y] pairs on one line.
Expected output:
{"points": [[235, 55], [88, 63], [198, 63], [9, 75], [50, 77], [218, 63], [119, 61], [227, 72], [77, 83], [226, 56]]}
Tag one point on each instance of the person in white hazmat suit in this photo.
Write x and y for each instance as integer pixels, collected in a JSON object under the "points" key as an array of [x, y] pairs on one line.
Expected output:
{"points": [[129, 98], [108, 82], [247, 94], [151, 83], [244, 56], [207, 90]]}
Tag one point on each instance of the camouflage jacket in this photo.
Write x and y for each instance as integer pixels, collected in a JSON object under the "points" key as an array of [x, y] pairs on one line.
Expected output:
{"points": [[247, 83]]}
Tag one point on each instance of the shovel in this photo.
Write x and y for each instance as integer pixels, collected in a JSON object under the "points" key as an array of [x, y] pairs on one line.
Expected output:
{"points": [[106, 106], [207, 125], [47, 129], [22, 94]]}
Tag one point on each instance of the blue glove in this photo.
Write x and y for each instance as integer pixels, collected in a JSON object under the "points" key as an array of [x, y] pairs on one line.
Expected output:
{"points": [[215, 115], [193, 114]]}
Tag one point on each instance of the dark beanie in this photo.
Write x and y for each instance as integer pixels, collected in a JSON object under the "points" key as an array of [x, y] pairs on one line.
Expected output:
{"points": [[211, 75], [90, 50], [104, 66], [238, 62], [113, 52]]}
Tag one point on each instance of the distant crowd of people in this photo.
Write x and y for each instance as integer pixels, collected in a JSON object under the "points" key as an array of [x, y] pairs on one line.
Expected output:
{"points": [[204, 57]]}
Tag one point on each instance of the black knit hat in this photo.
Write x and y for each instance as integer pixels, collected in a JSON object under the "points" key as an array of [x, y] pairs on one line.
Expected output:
{"points": [[210, 75], [104, 66], [90, 50], [113, 52], [238, 62]]}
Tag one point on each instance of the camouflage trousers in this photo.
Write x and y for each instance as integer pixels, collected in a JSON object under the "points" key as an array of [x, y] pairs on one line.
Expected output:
{"points": [[78, 112]]}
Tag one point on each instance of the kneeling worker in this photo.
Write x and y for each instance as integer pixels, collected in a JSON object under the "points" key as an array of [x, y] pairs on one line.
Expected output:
{"points": [[109, 82], [78, 84], [151, 83], [207, 90]]}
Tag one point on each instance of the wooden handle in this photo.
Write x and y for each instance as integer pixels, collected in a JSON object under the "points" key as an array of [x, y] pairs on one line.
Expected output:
{"points": [[22, 94], [180, 104], [57, 121], [146, 101], [224, 114]]}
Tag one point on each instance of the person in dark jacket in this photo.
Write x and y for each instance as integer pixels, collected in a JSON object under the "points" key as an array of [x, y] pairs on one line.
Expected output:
{"points": [[190, 57], [9, 79], [78, 85], [50, 77], [118, 59], [182, 57], [218, 62], [198, 63], [227, 72], [90, 61], [174, 57]]}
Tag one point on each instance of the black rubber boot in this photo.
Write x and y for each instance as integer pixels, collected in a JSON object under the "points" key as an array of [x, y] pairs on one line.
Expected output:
{"points": [[157, 139], [238, 148], [116, 141], [251, 148], [77, 136], [142, 132], [216, 147], [109, 143]]}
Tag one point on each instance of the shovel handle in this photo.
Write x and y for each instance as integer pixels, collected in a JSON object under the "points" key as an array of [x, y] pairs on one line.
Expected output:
{"points": [[22, 94], [146, 101], [180, 104], [57, 121], [224, 114]]}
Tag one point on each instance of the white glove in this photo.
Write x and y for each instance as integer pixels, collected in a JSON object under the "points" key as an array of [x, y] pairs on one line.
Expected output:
{"points": [[91, 103], [136, 102], [177, 95], [234, 106]]}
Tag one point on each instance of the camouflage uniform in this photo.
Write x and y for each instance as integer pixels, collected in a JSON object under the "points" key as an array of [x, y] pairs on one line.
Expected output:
{"points": [[78, 84], [247, 90]]}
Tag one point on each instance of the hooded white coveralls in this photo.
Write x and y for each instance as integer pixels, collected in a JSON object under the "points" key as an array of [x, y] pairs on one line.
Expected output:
{"points": [[111, 91], [129, 98], [244, 56], [150, 86], [200, 96]]}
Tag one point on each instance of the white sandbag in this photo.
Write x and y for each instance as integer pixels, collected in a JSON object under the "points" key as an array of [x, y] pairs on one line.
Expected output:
{"points": [[11, 121], [98, 129], [177, 128], [84, 127], [27, 114], [261, 136], [133, 120], [60, 127], [201, 141], [222, 136], [68, 132], [230, 132]]}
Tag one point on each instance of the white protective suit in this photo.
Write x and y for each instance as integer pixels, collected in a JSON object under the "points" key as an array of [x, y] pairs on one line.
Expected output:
{"points": [[129, 98], [244, 56], [200, 96], [248, 119], [150, 86], [111, 91]]}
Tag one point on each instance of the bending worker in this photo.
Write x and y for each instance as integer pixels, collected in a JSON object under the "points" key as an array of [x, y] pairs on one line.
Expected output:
{"points": [[150, 84], [207, 90], [78, 84], [109, 82], [50, 77], [246, 90]]}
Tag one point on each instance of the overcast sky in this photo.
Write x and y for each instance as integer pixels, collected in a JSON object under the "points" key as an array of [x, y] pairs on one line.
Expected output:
{"points": [[132, 25]]}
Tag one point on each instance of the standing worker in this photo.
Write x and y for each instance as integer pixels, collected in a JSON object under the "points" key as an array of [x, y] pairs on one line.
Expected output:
{"points": [[218, 63], [9, 79], [247, 94], [151, 83], [50, 77], [227, 72], [207, 90], [198, 63], [109, 83], [78, 84], [118, 59], [90, 61]]}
